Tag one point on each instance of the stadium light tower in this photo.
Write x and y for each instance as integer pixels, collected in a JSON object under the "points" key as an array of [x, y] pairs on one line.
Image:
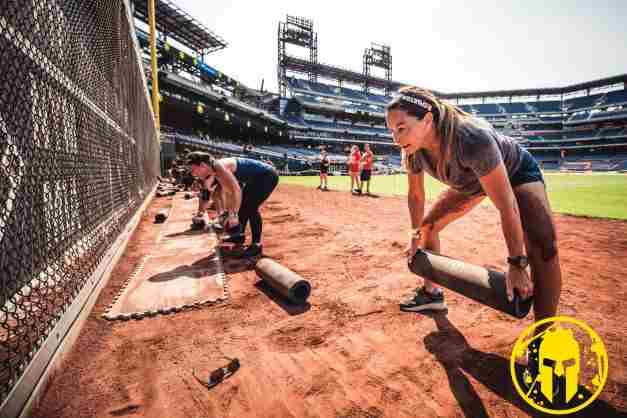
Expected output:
{"points": [[380, 56], [296, 31]]}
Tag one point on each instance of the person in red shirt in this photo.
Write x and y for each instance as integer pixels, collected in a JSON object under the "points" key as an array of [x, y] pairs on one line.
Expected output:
{"points": [[354, 159], [367, 159]]}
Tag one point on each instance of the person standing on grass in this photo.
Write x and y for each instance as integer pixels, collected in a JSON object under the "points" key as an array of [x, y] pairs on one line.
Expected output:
{"points": [[367, 159], [354, 159], [242, 202], [324, 170], [475, 161]]}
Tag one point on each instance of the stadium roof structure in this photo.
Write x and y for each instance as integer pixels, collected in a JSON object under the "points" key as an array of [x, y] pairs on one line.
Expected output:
{"points": [[302, 66], [174, 22], [299, 32], [538, 92]]}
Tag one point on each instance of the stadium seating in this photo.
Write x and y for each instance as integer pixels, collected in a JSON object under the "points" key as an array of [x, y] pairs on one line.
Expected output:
{"points": [[295, 119], [546, 136], [576, 166], [552, 120], [616, 97], [609, 114], [515, 107], [579, 117], [547, 107], [343, 127], [597, 115], [297, 158], [579, 134], [602, 166], [622, 166], [324, 125], [337, 104], [467, 108], [550, 165], [581, 102], [315, 101], [487, 108], [342, 93], [609, 132], [352, 94]]}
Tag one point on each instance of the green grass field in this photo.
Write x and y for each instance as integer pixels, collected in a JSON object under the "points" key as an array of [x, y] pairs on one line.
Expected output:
{"points": [[598, 195]]}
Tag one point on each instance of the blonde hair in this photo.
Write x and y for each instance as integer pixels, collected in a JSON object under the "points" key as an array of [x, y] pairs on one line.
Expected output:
{"points": [[447, 119]]}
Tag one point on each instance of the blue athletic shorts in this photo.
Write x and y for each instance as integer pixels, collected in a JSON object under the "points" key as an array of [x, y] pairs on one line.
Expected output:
{"points": [[528, 172]]}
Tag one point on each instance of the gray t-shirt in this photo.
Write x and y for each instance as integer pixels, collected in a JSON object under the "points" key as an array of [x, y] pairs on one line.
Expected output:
{"points": [[478, 150]]}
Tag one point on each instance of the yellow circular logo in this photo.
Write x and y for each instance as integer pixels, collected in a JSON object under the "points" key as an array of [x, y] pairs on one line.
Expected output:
{"points": [[559, 365]]}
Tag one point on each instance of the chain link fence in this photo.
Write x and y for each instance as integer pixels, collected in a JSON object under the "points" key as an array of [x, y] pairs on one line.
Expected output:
{"points": [[78, 156]]}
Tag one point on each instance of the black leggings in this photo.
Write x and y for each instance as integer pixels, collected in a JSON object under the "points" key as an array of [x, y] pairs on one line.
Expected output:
{"points": [[253, 195]]}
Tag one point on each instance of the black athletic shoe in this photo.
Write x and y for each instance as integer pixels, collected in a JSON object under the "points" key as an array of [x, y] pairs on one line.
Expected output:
{"points": [[234, 235], [253, 250], [421, 300], [234, 251], [238, 238], [217, 226]]}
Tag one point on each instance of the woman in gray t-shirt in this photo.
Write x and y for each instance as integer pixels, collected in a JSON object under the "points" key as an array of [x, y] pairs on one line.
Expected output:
{"points": [[474, 161]]}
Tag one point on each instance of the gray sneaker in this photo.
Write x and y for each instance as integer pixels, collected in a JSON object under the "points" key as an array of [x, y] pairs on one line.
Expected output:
{"points": [[421, 300]]}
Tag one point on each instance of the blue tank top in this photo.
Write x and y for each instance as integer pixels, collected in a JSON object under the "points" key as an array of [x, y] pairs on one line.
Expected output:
{"points": [[247, 170]]}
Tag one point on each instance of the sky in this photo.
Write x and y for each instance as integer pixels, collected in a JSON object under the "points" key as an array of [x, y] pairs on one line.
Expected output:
{"points": [[448, 46]]}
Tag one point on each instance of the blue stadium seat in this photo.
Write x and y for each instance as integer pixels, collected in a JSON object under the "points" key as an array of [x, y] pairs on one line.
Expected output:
{"points": [[615, 97], [487, 108], [582, 102], [515, 107], [608, 132], [323, 125], [580, 134], [466, 108], [295, 119], [579, 117], [613, 114], [342, 93], [551, 118], [548, 107]]}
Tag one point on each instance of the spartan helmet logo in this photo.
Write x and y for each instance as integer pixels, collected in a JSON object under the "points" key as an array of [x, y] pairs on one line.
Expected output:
{"points": [[559, 357]]}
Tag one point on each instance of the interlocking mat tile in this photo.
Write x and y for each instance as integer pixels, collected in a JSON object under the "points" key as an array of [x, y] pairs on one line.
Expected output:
{"points": [[184, 271]]}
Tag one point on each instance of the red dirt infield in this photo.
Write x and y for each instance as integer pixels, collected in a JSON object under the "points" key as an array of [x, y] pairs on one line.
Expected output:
{"points": [[350, 352]]}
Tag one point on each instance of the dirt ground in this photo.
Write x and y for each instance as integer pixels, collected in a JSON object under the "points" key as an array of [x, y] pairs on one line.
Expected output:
{"points": [[351, 352]]}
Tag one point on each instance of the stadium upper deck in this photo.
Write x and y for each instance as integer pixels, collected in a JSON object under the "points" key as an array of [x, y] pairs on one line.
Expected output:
{"points": [[594, 118], [181, 26]]}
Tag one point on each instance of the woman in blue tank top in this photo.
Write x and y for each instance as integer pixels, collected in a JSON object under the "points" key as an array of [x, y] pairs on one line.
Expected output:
{"points": [[246, 183]]}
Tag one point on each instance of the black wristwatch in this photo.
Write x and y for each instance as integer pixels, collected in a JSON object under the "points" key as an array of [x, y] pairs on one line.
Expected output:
{"points": [[520, 261]]}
